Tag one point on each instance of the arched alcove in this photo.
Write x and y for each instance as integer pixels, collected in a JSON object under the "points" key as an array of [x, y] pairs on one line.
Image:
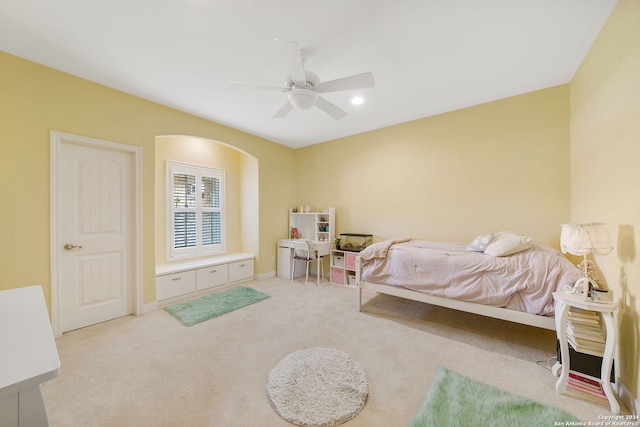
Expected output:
{"points": [[241, 208]]}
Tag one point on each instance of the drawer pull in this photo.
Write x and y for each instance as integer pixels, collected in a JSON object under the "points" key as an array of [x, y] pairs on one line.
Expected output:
{"points": [[212, 271], [175, 279], [241, 265]]}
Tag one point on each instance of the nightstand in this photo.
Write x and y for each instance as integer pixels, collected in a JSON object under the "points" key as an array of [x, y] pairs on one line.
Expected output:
{"points": [[564, 301]]}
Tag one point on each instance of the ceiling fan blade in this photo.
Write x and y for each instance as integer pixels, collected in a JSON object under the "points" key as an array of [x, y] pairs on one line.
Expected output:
{"points": [[281, 113], [243, 85], [357, 81], [331, 109], [294, 60]]}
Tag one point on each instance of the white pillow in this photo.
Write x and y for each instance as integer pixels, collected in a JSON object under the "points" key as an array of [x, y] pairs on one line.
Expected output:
{"points": [[505, 233], [508, 244], [480, 243]]}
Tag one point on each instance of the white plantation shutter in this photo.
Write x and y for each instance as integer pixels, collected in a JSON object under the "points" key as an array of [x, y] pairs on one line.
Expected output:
{"points": [[211, 211], [185, 230], [196, 211], [211, 228], [184, 212], [184, 190]]}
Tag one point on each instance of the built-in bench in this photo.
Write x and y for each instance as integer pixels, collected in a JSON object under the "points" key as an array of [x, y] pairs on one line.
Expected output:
{"points": [[187, 279]]}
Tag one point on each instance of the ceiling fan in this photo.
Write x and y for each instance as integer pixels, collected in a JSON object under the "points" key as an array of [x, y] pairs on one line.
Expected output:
{"points": [[303, 87]]}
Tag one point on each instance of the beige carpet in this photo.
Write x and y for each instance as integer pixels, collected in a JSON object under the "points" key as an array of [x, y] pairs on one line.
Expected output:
{"points": [[153, 371]]}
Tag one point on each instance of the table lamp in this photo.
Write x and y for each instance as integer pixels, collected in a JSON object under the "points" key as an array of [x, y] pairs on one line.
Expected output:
{"points": [[581, 240]]}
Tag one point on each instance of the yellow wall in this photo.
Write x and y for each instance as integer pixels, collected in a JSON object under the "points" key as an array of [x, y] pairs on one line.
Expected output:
{"points": [[497, 166], [605, 176], [36, 99]]}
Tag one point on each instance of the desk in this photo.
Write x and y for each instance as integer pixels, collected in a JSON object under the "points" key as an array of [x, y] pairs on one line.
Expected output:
{"points": [[28, 356], [565, 300], [285, 257]]}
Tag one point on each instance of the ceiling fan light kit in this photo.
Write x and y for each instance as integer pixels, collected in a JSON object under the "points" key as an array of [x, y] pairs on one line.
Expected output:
{"points": [[303, 99], [302, 87]]}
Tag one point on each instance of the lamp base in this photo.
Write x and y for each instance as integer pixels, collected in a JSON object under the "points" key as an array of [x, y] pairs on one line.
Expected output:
{"points": [[582, 287]]}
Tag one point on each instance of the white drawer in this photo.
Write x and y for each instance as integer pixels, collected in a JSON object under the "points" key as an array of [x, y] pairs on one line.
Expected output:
{"points": [[209, 277], [173, 285], [241, 270]]}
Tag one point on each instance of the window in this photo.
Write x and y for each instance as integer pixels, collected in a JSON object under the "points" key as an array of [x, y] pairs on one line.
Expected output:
{"points": [[196, 212]]}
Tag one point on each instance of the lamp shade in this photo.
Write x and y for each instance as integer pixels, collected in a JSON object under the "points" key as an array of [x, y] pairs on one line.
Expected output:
{"points": [[581, 239]]}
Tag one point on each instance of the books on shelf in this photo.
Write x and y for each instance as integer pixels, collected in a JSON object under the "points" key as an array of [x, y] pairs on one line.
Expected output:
{"points": [[595, 349], [589, 386], [584, 332], [583, 316], [587, 332]]}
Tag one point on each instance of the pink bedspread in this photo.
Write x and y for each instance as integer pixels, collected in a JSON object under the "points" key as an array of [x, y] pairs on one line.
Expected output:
{"points": [[524, 281]]}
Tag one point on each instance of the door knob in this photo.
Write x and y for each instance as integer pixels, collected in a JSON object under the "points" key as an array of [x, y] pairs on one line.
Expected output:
{"points": [[69, 246]]}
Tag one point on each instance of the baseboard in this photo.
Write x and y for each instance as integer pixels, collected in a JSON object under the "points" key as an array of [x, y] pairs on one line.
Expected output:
{"points": [[629, 400], [264, 276], [148, 308]]}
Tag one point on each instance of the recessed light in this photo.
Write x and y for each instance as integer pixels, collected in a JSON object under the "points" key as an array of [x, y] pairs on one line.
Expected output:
{"points": [[357, 100]]}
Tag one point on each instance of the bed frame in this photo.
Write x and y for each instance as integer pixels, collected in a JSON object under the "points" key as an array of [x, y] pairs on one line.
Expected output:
{"points": [[544, 322]]}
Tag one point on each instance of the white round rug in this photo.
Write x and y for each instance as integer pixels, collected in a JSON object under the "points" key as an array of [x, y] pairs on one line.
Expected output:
{"points": [[319, 387]]}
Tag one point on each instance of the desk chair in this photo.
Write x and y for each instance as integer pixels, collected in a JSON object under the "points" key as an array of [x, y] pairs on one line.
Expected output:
{"points": [[303, 251]]}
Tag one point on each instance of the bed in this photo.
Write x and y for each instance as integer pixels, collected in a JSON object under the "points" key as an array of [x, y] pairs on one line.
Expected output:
{"points": [[503, 275]]}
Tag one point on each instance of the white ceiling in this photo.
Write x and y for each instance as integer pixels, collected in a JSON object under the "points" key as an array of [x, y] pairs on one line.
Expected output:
{"points": [[427, 56]]}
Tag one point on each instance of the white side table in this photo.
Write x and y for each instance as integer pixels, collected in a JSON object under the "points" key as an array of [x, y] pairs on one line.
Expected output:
{"points": [[565, 300]]}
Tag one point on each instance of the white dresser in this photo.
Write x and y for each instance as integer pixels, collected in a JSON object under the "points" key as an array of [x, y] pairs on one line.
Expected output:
{"points": [[28, 357]]}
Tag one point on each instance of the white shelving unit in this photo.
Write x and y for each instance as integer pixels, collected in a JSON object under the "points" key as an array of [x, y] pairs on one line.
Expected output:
{"points": [[343, 267], [316, 226]]}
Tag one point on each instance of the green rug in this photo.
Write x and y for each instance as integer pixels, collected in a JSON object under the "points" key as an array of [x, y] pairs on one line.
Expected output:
{"points": [[214, 305], [455, 400]]}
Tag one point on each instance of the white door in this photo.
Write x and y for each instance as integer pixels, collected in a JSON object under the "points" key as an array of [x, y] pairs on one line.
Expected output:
{"points": [[94, 211]]}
